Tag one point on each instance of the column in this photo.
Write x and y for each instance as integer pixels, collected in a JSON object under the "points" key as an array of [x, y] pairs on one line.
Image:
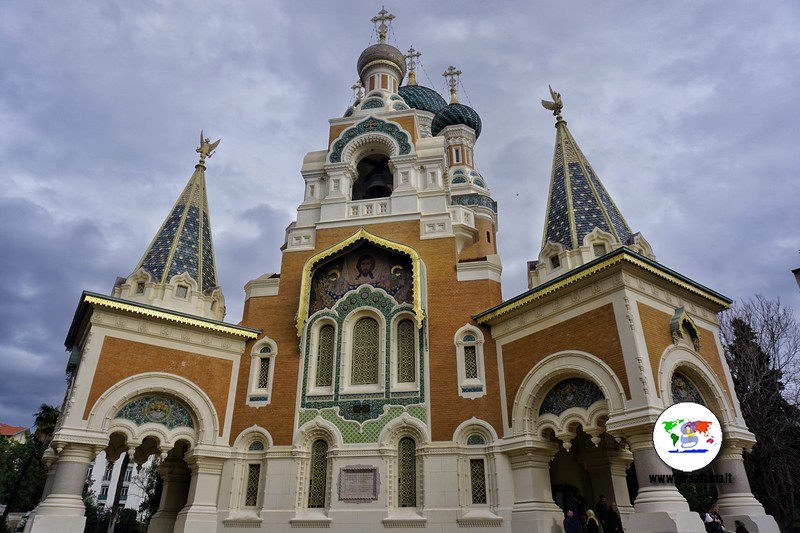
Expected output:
{"points": [[534, 510], [200, 513], [609, 470], [658, 506], [736, 501], [175, 475], [63, 509]]}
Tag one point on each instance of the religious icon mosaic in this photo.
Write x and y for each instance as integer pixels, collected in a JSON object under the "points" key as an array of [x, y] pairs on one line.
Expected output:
{"points": [[366, 265], [157, 409], [684, 390], [572, 392]]}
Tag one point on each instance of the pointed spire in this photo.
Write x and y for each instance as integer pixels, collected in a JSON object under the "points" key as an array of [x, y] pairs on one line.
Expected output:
{"points": [[578, 202], [183, 243], [382, 17], [412, 56], [452, 75]]}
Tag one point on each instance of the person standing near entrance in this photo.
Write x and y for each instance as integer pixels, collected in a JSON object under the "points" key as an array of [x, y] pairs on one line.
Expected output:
{"points": [[571, 524], [592, 523], [600, 510], [613, 521]]}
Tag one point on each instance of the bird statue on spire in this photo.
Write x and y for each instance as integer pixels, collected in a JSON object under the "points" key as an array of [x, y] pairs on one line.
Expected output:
{"points": [[206, 147], [556, 105]]}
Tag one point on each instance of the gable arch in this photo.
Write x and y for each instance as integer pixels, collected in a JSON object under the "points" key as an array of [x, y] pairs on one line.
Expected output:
{"points": [[316, 429], [417, 273], [680, 359], [403, 426], [102, 416], [370, 130], [557, 367]]}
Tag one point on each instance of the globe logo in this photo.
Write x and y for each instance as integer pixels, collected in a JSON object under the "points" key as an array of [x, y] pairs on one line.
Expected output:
{"points": [[687, 436]]}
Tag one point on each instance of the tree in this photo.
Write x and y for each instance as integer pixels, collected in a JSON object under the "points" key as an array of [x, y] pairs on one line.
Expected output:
{"points": [[762, 345], [30, 472], [151, 485]]}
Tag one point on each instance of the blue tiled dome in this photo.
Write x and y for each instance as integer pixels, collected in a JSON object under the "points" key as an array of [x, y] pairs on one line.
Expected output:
{"points": [[456, 114], [422, 98]]}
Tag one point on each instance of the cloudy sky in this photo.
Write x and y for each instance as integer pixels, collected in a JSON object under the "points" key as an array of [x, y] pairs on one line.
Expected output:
{"points": [[687, 110]]}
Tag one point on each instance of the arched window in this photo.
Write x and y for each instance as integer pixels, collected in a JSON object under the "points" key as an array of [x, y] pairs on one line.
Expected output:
{"points": [[365, 365], [470, 362], [325, 352], [406, 352], [318, 475], [407, 473], [262, 368], [375, 178]]}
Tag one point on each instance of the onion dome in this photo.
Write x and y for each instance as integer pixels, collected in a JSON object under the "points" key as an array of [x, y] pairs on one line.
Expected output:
{"points": [[455, 114], [422, 98], [384, 54]]}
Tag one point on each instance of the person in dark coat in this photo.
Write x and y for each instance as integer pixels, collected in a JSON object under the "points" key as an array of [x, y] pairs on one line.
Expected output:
{"points": [[613, 520], [713, 521], [740, 526], [601, 509], [571, 524]]}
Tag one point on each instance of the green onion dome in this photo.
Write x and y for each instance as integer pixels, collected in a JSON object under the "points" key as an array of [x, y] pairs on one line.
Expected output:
{"points": [[454, 114], [422, 98]]}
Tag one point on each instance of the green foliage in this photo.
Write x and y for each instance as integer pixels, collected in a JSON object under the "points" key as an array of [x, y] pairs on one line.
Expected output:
{"points": [[19, 485], [152, 485]]}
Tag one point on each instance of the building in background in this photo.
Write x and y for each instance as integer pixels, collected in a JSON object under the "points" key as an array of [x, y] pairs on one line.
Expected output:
{"points": [[103, 478], [16, 433], [379, 380]]}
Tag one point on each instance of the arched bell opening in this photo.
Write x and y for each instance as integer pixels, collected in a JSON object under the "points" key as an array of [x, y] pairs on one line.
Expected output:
{"points": [[375, 177]]}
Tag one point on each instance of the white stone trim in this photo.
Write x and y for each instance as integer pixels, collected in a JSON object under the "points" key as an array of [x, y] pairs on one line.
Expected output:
{"points": [[471, 384]]}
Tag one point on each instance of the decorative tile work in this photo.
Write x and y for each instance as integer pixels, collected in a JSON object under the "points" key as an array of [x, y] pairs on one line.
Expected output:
{"points": [[585, 207], [256, 446], [155, 259], [458, 179], [476, 439], [422, 98], [209, 280], [558, 229], [471, 389], [372, 103], [684, 390], [157, 409], [366, 432], [369, 125], [474, 199], [458, 173], [623, 230], [572, 392], [399, 107], [480, 183], [453, 114]]}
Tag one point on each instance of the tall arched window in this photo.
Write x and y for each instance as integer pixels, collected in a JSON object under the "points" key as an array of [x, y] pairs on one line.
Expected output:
{"points": [[365, 368], [470, 362], [407, 473], [318, 474], [406, 352], [325, 351]]}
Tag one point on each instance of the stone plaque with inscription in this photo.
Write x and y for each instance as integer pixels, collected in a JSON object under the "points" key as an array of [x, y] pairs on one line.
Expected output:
{"points": [[358, 483]]}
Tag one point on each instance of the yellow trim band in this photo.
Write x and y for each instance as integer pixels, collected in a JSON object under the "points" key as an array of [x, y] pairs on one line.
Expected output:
{"points": [[361, 234], [623, 257], [169, 316]]}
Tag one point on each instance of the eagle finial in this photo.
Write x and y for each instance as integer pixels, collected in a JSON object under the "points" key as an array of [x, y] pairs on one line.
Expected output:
{"points": [[556, 105], [206, 147]]}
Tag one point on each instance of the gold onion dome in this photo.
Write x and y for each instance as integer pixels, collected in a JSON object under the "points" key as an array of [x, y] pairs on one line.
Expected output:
{"points": [[382, 53]]}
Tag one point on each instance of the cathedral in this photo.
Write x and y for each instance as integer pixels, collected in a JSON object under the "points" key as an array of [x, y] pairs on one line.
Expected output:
{"points": [[379, 380]]}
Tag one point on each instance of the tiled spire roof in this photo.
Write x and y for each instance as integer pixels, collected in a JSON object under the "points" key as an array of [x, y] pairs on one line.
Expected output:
{"points": [[578, 202], [183, 243]]}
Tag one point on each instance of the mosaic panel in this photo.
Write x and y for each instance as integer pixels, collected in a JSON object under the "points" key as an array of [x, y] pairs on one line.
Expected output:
{"points": [[572, 392], [684, 390], [477, 476], [372, 103], [158, 409], [474, 199], [458, 179], [366, 265], [367, 432], [369, 125]]}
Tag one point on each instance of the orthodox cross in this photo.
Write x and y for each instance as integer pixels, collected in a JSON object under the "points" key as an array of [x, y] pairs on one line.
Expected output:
{"points": [[358, 90], [382, 17], [452, 80], [411, 56]]}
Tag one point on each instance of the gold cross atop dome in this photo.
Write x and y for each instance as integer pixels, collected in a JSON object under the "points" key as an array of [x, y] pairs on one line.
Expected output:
{"points": [[556, 105], [411, 56], [358, 90], [452, 75], [382, 17]]}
